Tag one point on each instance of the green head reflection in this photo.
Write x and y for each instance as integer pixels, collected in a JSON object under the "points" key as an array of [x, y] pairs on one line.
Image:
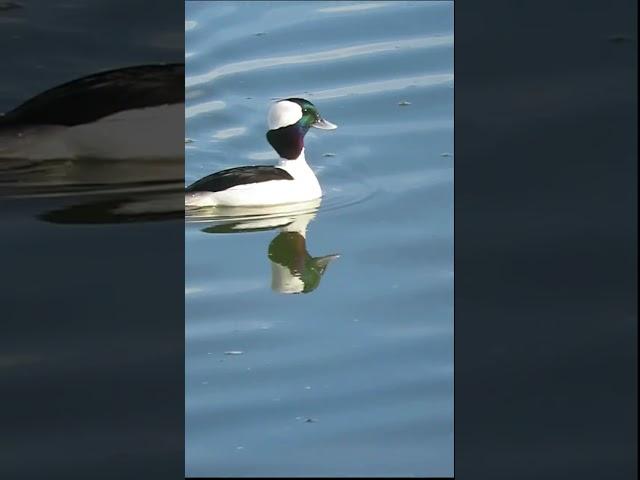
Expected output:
{"points": [[293, 269]]}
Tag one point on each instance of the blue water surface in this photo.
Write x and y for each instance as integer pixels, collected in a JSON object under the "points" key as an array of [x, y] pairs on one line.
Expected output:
{"points": [[353, 376]]}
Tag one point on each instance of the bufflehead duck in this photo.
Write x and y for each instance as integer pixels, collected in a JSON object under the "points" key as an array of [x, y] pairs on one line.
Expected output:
{"points": [[290, 181]]}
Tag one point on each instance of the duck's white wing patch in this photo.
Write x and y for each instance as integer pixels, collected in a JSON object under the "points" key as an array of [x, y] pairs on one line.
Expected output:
{"points": [[283, 114]]}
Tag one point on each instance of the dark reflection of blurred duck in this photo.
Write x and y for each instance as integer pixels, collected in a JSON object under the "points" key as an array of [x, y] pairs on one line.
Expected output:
{"points": [[293, 269], [111, 209]]}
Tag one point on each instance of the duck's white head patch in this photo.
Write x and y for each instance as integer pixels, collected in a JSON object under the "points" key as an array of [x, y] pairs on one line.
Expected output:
{"points": [[283, 113]]}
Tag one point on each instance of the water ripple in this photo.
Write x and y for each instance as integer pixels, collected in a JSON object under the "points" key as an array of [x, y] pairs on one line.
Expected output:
{"points": [[357, 7], [321, 56], [229, 133], [382, 86], [204, 107]]}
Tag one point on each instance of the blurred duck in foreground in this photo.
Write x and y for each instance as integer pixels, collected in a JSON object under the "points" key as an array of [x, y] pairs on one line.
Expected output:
{"points": [[113, 139], [128, 113]]}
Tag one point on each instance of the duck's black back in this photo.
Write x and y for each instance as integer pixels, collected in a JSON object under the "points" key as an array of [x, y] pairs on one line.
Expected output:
{"points": [[233, 177], [90, 98]]}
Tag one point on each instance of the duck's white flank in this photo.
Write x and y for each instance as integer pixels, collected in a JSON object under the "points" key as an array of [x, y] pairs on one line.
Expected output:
{"points": [[145, 133], [302, 188]]}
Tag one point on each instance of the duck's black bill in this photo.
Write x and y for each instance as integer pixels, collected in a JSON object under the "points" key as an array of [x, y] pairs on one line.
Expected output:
{"points": [[323, 124]]}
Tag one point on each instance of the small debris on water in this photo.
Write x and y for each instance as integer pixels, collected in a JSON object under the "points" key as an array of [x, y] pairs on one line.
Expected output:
{"points": [[260, 34], [404, 103], [239, 447], [619, 39], [188, 140], [446, 154], [307, 419], [234, 352], [307, 387], [329, 154]]}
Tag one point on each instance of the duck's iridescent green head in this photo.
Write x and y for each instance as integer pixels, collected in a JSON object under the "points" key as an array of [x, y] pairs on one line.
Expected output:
{"points": [[288, 121], [310, 115]]}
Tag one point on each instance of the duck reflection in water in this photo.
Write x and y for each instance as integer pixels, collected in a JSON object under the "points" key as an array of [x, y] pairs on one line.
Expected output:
{"points": [[293, 268]]}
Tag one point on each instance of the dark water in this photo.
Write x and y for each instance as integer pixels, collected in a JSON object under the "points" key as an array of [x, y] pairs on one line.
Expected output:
{"points": [[354, 375], [82, 319]]}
